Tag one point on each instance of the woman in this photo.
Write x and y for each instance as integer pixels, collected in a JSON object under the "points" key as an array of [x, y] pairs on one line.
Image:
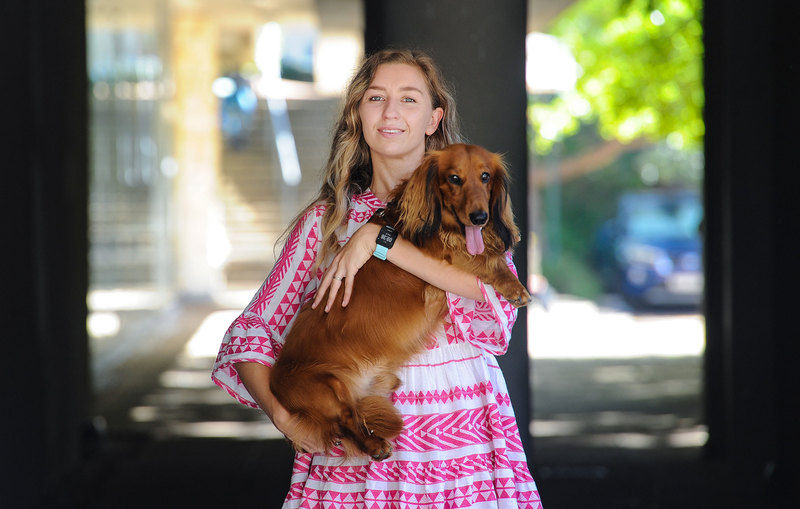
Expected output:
{"points": [[461, 447]]}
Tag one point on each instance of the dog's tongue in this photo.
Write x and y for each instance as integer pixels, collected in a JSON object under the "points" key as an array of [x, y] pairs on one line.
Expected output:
{"points": [[474, 240]]}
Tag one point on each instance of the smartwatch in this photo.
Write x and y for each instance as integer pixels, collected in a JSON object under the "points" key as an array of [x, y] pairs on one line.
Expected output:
{"points": [[385, 241]]}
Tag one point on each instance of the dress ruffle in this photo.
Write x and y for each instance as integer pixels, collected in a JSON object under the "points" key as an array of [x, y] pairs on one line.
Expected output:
{"points": [[461, 446]]}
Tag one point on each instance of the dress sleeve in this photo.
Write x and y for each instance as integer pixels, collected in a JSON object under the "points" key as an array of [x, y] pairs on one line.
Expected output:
{"points": [[487, 325], [257, 335]]}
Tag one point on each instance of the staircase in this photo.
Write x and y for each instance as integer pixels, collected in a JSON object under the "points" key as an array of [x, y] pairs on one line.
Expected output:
{"points": [[258, 206]]}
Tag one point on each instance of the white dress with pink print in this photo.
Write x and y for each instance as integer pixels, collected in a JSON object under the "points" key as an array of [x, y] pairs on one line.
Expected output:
{"points": [[461, 446]]}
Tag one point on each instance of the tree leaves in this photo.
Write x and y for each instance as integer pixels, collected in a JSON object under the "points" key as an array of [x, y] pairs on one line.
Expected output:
{"points": [[641, 63]]}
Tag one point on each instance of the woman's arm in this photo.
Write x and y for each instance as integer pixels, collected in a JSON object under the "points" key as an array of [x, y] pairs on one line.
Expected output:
{"points": [[256, 336], [405, 255], [486, 324], [255, 377], [437, 272]]}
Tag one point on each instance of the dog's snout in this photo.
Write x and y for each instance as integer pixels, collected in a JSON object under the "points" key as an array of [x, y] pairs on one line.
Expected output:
{"points": [[478, 217]]}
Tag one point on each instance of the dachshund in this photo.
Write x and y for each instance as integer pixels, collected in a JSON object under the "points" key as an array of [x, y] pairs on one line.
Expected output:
{"points": [[336, 370]]}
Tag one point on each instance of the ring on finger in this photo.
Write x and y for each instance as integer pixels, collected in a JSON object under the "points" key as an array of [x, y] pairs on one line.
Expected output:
{"points": [[338, 278]]}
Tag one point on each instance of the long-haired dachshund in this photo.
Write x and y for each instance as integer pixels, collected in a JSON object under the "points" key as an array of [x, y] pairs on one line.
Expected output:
{"points": [[337, 369]]}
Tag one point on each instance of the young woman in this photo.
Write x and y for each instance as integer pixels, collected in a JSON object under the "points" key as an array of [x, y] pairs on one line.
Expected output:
{"points": [[461, 446]]}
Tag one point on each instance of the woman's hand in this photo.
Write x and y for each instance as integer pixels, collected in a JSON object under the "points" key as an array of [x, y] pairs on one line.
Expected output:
{"points": [[255, 377], [287, 424], [346, 264]]}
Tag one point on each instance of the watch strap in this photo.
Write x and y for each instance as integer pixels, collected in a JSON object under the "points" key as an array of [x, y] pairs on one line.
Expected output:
{"points": [[385, 241], [381, 252]]}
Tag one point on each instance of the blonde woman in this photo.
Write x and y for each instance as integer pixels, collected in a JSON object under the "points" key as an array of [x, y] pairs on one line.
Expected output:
{"points": [[461, 446]]}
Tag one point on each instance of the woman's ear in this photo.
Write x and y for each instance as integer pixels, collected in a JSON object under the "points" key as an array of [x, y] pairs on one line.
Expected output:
{"points": [[436, 117]]}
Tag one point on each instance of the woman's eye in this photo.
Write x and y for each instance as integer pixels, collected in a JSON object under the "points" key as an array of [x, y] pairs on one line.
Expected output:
{"points": [[409, 100], [375, 98], [485, 177], [454, 179]]}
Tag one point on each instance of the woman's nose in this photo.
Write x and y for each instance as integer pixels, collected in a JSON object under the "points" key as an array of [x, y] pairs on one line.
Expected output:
{"points": [[390, 110]]}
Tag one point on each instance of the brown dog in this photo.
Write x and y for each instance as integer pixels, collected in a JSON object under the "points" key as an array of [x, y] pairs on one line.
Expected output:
{"points": [[336, 369]]}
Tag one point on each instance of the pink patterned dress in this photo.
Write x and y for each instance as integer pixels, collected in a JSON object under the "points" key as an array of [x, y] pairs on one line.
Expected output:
{"points": [[461, 446]]}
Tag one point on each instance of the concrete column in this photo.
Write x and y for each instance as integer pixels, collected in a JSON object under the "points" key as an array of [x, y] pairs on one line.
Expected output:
{"points": [[197, 149], [480, 48], [45, 394]]}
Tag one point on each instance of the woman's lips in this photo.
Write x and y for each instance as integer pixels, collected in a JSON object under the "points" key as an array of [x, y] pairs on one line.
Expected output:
{"points": [[390, 130]]}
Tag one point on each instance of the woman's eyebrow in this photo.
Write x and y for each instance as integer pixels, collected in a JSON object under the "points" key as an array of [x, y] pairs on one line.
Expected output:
{"points": [[402, 89]]}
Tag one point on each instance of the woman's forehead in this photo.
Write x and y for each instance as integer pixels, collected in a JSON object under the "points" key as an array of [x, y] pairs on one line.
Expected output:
{"points": [[402, 76]]}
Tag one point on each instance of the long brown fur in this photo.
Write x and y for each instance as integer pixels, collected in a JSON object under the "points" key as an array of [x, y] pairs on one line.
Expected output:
{"points": [[337, 369]]}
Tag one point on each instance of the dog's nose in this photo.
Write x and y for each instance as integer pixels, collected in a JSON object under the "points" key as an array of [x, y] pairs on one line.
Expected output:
{"points": [[478, 217]]}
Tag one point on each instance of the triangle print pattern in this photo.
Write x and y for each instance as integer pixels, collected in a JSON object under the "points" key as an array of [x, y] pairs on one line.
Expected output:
{"points": [[461, 446]]}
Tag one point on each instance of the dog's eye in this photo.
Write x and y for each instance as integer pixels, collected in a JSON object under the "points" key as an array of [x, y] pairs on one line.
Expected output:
{"points": [[485, 177], [454, 179]]}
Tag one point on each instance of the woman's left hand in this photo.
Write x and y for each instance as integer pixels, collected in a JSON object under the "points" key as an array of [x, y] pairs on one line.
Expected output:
{"points": [[346, 264]]}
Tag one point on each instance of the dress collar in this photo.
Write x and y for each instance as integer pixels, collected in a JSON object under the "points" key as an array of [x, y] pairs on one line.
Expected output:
{"points": [[369, 198]]}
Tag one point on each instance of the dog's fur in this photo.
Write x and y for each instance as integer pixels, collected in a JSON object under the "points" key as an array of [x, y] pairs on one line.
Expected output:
{"points": [[336, 369]]}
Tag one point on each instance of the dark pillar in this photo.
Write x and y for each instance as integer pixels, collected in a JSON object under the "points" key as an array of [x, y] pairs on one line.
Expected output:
{"points": [[480, 48], [751, 262], [44, 147]]}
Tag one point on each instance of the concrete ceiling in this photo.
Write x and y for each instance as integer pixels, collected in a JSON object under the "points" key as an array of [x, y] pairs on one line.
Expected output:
{"points": [[540, 12]]}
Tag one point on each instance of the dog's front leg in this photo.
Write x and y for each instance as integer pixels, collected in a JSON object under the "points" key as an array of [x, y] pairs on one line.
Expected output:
{"points": [[508, 285]]}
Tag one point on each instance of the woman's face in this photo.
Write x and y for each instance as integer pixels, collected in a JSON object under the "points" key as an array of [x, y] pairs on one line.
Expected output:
{"points": [[396, 113]]}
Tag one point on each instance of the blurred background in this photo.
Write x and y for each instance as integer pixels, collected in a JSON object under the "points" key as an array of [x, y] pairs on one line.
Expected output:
{"points": [[207, 126], [210, 122]]}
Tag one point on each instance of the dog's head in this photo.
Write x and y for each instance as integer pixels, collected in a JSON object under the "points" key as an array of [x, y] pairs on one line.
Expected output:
{"points": [[462, 189]]}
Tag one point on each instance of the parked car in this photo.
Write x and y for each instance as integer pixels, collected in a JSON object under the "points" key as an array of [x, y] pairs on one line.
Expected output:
{"points": [[651, 251]]}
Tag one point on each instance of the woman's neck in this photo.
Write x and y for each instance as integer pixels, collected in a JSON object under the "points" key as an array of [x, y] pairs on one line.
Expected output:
{"points": [[386, 175]]}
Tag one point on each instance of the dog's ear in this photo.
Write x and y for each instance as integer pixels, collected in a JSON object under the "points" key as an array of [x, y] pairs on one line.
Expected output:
{"points": [[502, 215], [420, 203]]}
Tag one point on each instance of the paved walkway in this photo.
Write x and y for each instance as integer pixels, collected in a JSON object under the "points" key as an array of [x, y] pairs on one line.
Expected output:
{"points": [[168, 425]]}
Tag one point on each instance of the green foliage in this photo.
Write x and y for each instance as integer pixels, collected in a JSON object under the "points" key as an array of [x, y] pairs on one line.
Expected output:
{"points": [[664, 166], [641, 63], [569, 274]]}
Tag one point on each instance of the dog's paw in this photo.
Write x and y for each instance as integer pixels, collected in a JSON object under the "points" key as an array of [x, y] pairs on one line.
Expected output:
{"points": [[378, 448], [518, 296], [521, 301]]}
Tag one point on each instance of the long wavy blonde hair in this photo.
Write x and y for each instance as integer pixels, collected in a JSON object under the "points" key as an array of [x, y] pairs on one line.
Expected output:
{"points": [[349, 170]]}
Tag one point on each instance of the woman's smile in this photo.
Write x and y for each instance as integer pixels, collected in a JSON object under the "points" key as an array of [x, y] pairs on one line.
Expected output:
{"points": [[396, 114]]}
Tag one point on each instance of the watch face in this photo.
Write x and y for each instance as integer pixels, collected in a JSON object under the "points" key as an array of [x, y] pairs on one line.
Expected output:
{"points": [[387, 236]]}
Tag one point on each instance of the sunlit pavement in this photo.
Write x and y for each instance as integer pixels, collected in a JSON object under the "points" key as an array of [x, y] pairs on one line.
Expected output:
{"points": [[572, 328], [602, 377], [607, 380], [186, 403]]}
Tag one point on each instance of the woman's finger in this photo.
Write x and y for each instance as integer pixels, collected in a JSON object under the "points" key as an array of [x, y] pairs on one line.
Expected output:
{"points": [[318, 297], [327, 278], [344, 267], [348, 290], [333, 291]]}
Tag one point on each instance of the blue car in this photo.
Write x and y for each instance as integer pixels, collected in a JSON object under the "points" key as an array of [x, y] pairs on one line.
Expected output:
{"points": [[651, 252]]}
